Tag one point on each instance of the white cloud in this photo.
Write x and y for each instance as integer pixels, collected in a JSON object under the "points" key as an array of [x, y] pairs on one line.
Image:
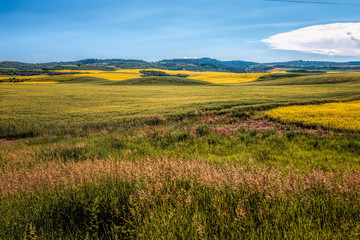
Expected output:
{"points": [[336, 39]]}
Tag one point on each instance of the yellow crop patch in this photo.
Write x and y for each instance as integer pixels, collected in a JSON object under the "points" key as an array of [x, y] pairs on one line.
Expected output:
{"points": [[24, 77], [341, 116], [214, 77], [32, 82], [219, 77], [118, 75]]}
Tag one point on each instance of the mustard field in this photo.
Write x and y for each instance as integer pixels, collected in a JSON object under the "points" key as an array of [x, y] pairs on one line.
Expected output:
{"points": [[343, 115], [30, 82], [36, 77], [221, 77], [213, 77]]}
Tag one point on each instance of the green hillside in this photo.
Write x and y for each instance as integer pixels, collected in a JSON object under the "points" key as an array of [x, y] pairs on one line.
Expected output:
{"points": [[309, 79]]}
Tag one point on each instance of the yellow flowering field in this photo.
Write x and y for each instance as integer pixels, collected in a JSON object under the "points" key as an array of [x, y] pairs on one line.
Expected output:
{"points": [[37, 79], [29, 82], [220, 77], [214, 77], [341, 116], [125, 74], [24, 77], [118, 75]]}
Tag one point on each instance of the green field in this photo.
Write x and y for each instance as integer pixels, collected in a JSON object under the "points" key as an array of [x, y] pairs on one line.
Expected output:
{"points": [[168, 158], [30, 110]]}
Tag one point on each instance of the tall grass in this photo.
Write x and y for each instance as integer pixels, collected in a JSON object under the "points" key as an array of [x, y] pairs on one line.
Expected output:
{"points": [[186, 180], [171, 206]]}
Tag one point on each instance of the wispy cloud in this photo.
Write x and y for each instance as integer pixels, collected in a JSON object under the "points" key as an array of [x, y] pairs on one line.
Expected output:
{"points": [[336, 39]]}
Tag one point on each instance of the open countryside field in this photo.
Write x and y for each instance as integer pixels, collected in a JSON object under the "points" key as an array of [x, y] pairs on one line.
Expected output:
{"points": [[214, 77], [89, 158], [126, 74], [78, 105]]}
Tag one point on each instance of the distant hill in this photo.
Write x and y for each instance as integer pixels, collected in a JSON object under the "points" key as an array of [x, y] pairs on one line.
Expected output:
{"points": [[201, 64], [206, 64], [13, 68], [316, 65]]}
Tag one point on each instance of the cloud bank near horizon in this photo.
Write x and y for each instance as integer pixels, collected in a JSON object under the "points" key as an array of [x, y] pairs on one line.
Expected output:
{"points": [[336, 39]]}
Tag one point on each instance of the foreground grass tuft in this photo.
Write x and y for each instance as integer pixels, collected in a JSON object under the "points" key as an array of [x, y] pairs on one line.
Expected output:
{"points": [[179, 209]]}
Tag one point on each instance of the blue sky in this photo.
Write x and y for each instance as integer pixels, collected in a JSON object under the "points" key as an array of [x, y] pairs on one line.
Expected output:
{"points": [[60, 30]]}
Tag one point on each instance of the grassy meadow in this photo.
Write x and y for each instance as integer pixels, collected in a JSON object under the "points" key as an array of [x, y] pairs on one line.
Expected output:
{"points": [[89, 157]]}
